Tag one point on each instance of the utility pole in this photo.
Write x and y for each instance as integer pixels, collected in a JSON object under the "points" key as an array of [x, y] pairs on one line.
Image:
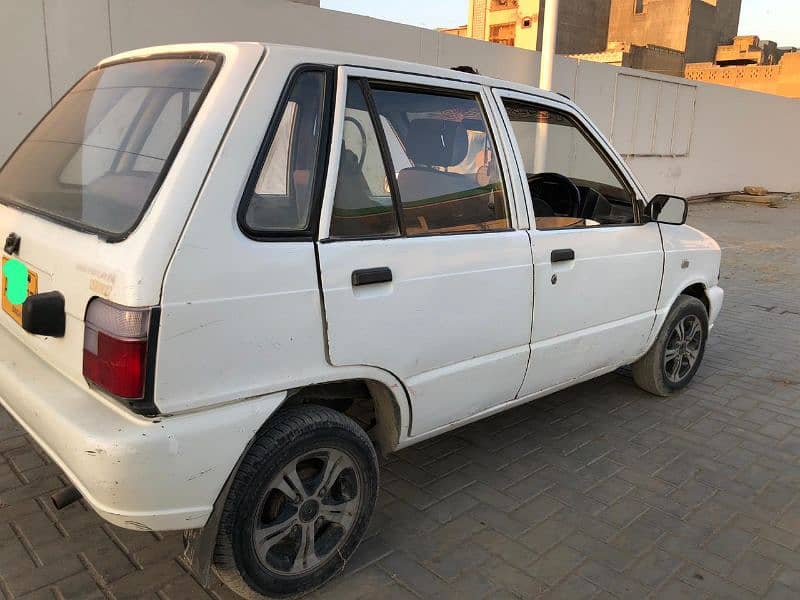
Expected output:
{"points": [[548, 56], [549, 34]]}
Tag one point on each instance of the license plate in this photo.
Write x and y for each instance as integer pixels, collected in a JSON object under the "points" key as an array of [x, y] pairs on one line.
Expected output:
{"points": [[15, 310]]}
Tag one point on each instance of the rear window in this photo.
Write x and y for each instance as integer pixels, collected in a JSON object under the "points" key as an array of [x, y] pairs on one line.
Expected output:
{"points": [[96, 160]]}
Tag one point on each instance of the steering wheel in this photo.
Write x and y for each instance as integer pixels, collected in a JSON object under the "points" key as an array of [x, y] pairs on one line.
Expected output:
{"points": [[363, 135], [565, 182]]}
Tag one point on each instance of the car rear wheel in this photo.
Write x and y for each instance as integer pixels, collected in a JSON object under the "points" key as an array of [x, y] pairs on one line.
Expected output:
{"points": [[299, 504], [674, 358]]}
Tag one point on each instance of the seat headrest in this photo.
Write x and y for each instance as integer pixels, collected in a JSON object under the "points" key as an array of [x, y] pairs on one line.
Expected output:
{"points": [[436, 142]]}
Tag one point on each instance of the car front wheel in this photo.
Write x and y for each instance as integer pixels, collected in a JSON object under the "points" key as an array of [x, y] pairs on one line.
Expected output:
{"points": [[299, 505], [674, 358]]}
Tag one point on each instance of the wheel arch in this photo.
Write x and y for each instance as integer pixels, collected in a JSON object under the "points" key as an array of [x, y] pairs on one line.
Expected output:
{"points": [[696, 286], [369, 402], [391, 409], [696, 290]]}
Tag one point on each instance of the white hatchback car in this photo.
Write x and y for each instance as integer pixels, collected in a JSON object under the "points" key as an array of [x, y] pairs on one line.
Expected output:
{"points": [[232, 270]]}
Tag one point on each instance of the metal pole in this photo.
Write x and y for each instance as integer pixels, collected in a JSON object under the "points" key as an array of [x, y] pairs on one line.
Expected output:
{"points": [[548, 44], [546, 78]]}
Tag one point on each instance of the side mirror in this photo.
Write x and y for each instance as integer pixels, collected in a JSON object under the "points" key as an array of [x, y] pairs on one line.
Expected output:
{"points": [[670, 210]]}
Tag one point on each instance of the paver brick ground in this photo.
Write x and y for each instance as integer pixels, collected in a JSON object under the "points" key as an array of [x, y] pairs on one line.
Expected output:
{"points": [[595, 492]]}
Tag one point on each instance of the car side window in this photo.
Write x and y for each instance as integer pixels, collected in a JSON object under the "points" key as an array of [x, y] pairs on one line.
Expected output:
{"points": [[444, 161], [281, 199], [430, 167], [572, 184], [362, 206]]}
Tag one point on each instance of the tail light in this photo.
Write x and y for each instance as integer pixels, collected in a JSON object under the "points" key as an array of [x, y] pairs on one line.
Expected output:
{"points": [[115, 342]]}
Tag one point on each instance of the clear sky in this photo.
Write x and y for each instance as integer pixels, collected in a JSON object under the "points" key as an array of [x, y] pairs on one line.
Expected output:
{"points": [[777, 20]]}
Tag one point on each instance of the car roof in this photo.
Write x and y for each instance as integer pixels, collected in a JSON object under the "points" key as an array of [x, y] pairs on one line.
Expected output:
{"points": [[334, 57]]}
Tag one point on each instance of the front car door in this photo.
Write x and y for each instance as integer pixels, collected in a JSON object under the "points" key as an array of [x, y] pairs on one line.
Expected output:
{"points": [[423, 270], [598, 264]]}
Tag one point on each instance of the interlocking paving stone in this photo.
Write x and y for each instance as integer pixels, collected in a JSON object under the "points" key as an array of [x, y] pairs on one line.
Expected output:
{"points": [[599, 491]]}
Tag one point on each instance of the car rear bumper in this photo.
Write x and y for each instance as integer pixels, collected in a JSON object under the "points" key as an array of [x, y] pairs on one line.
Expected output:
{"points": [[154, 474]]}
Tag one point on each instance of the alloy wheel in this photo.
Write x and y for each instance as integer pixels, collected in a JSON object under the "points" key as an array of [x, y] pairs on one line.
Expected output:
{"points": [[307, 512], [683, 348]]}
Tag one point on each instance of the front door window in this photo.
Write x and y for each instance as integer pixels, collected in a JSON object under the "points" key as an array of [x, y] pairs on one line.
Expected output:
{"points": [[572, 183]]}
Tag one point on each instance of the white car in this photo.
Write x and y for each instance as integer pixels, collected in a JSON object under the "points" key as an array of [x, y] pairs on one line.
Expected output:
{"points": [[233, 270]]}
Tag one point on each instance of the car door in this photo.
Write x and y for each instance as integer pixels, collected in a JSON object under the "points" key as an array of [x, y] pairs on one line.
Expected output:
{"points": [[423, 271], [598, 265]]}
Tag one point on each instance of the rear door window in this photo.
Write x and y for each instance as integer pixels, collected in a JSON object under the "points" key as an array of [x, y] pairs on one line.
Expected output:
{"points": [[363, 203], [437, 172], [448, 177], [96, 160]]}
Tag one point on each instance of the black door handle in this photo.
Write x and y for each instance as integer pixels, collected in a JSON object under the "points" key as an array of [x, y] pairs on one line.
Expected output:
{"points": [[562, 255], [371, 276]]}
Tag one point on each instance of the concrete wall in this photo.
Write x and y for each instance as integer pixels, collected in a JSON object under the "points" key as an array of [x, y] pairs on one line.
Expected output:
{"points": [[725, 138]]}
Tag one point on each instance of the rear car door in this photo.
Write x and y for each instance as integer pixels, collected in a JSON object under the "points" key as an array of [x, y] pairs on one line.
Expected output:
{"points": [[598, 263], [423, 270]]}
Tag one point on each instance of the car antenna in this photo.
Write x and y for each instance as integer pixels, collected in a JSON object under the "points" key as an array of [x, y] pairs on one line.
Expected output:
{"points": [[466, 69]]}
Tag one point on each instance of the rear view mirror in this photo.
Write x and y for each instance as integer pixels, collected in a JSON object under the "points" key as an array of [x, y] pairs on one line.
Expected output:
{"points": [[670, 210]]}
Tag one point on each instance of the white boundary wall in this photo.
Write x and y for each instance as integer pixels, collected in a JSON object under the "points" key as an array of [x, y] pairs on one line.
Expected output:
{"points": [[679, 136]]}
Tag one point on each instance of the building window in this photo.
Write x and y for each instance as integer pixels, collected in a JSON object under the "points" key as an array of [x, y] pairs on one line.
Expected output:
{"points": [[638, 7], [503, 34], [503, 4]]}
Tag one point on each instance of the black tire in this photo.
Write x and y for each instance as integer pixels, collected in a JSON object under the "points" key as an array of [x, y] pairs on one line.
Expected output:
{"points": [[291, 434], [651, 373]]}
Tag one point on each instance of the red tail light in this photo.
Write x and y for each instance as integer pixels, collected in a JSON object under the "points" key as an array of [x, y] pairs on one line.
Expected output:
{"points": [[115, 348]]}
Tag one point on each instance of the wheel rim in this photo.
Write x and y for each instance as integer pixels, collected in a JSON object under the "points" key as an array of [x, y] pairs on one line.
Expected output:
{"points": [[307, 512], [683, 348]]}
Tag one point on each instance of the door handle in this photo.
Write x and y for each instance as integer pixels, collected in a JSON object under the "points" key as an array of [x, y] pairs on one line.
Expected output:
{"points": [[371, 276], [562, 255]]}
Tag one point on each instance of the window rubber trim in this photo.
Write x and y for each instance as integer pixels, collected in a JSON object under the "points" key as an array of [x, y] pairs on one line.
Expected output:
{"points": [[110, 236], [320, 176]]}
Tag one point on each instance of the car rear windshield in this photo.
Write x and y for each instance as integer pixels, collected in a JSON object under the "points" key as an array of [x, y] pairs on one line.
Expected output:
{"points": [[96, 160]]}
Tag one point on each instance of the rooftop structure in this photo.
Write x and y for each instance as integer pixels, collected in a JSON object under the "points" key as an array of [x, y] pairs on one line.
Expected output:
{"points": [[655, 59], [752, 64]]}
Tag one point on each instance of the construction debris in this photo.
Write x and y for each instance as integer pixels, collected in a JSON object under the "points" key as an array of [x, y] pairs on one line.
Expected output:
{"points": [[755, 190], [770, 200]]}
